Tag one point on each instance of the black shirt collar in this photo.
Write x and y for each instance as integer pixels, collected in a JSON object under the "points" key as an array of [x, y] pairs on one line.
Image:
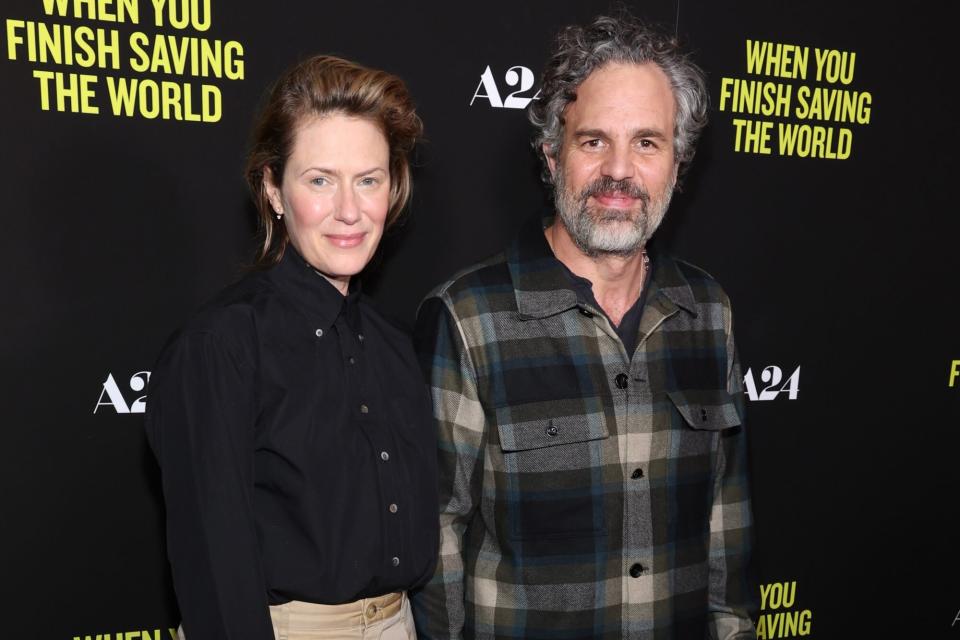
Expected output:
{"points": [[313, 294]]}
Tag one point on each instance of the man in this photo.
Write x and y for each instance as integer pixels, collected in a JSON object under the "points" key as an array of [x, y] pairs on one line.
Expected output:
{"points": [[587, 392]]}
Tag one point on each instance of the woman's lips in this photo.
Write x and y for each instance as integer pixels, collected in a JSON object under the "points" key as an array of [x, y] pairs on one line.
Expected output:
{"points": [[346, 241]]}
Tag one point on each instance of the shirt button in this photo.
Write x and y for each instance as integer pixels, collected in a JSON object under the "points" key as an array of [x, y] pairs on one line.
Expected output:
{"points": [[586, 312], [360, 337], [393, 508], [319, 333], [637, 473], [636, 570], [621, 381], [396, 561], [364, 409], [352, 360], [384, 456], [553, 430]]}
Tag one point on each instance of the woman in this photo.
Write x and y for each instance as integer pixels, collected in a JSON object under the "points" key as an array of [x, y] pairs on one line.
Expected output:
{"points": [[291, 424]]}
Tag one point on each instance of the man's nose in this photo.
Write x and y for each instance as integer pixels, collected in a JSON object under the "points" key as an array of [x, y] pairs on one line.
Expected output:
{"points": [[617, 163]]}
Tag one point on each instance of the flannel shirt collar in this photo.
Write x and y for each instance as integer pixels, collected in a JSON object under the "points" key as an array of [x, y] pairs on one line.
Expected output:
{"points": [[542, 288]]}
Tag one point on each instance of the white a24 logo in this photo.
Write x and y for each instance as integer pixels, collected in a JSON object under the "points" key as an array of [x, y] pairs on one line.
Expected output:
{"points": [[110, 395], [772, 377], [516, 76]]}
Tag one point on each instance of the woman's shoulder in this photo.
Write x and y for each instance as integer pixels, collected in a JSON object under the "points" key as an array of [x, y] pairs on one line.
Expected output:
{"points": [[217, 342], [229, 318], [233, 306]]}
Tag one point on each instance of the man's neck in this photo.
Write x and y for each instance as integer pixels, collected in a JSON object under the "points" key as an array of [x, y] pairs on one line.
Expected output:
{"points": [[616, 280]]}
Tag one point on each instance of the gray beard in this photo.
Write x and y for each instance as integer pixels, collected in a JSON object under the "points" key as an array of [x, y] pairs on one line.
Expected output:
{"points": [[601, 232]]}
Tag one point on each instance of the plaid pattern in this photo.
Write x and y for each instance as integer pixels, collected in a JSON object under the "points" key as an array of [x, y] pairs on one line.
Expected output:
{"points": [[585, 494]]}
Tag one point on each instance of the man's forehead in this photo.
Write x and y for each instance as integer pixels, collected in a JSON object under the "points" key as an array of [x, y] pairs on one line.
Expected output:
{"points": [[625, 90]]}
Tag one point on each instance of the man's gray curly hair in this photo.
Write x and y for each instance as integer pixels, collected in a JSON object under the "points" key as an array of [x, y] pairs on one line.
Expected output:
{"points": [[579, 51]]}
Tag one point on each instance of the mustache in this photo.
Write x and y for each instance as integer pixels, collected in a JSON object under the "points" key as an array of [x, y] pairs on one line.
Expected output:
{"points": [[606, 184]]}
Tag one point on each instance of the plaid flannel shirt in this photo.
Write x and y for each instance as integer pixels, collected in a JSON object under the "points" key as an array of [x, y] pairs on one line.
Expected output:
{"points": [[584, 493]]}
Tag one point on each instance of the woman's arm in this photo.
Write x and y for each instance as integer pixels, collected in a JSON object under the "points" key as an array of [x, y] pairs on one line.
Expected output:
{"points": [[200, 424]]}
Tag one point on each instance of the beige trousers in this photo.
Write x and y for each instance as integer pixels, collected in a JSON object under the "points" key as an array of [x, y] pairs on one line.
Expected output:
{"points": [[383, 618]]}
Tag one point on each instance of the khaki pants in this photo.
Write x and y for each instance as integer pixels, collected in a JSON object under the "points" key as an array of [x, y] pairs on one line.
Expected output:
{"points": [[384, 618]]}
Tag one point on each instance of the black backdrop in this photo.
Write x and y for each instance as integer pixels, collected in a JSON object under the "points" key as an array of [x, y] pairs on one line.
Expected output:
{"points": [[842, 273]]}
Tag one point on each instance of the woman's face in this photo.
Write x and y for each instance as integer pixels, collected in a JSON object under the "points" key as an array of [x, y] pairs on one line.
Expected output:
{"points": [[334, 194]]}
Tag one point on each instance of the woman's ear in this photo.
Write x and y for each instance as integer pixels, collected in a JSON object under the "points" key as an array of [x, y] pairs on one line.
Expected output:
{"points": [[273, 191]]}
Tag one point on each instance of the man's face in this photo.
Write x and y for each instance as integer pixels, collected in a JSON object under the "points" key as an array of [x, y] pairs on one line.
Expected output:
{"points": [[616, 171]]}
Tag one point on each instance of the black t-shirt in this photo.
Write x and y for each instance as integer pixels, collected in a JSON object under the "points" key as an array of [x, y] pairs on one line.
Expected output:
{"points": [[629, 325]]}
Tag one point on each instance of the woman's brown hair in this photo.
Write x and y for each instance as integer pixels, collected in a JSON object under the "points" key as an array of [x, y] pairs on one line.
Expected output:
{"points": [[319, 86]]}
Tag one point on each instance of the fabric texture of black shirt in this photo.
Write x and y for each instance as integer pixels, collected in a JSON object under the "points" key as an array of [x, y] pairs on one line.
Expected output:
{"points": [[298, 453]]}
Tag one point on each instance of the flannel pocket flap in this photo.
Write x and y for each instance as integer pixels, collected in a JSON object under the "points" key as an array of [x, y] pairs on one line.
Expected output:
{"points": [[707, 409], [550, 432]]}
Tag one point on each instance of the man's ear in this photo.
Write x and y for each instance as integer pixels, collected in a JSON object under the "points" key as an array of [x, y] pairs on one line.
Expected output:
{"points": [[551, 160]]}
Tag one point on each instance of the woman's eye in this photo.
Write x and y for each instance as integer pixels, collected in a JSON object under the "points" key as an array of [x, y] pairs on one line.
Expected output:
{"points": [[368, 181], [319, 181]]}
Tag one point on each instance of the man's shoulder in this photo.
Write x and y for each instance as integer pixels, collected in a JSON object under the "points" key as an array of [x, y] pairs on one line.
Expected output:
{"points": [[703, 286], [485, 280]]}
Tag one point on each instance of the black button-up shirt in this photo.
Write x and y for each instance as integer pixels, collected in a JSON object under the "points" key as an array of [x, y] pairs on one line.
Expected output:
{"points": [[298, 453]]}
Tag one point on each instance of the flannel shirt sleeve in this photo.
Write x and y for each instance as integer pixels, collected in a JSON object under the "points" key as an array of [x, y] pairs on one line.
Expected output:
{"points": [[439, 607], [732, 591]]}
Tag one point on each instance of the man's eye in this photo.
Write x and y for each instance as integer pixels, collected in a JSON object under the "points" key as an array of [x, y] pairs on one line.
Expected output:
{"points": [[593, 144], [647, 144]]}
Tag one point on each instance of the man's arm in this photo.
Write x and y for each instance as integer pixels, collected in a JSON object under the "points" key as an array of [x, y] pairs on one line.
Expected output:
{"points": [[732, 591], [439, 607]]}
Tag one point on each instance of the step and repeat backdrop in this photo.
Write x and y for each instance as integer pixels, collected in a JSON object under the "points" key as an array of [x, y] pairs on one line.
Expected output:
{"points": [[820, 198]]}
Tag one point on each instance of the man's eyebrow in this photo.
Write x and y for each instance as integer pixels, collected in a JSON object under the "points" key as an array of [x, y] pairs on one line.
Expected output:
{"points": [[649, 133], [637, 133], [590, 133]]}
